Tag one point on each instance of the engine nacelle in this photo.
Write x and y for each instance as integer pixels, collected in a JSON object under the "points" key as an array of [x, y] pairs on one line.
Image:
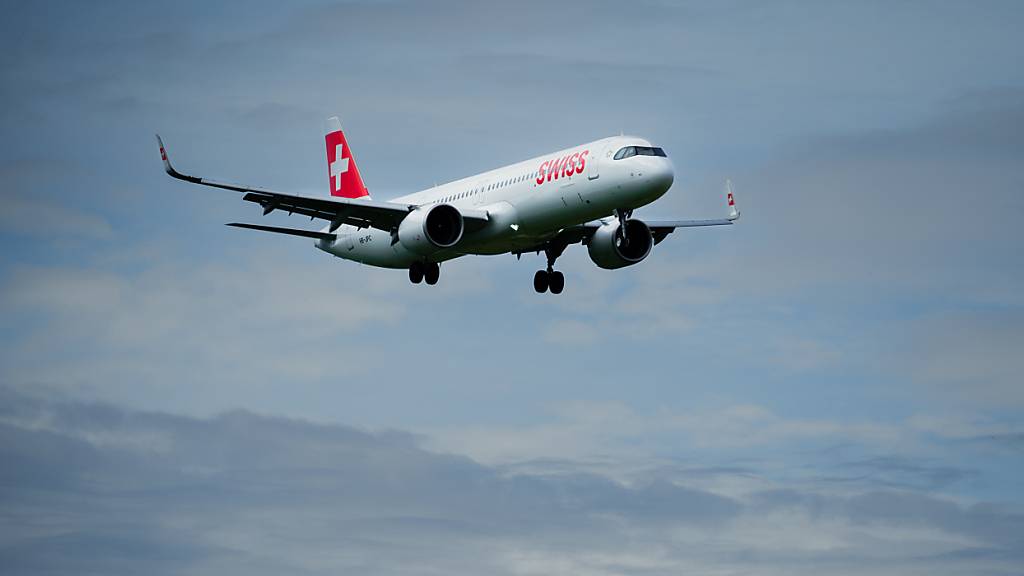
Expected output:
{"points": [[608, 250], [428, 230]]}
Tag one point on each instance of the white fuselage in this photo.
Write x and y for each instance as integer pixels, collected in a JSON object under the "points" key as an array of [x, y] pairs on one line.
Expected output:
{"points": [[526, 203]]}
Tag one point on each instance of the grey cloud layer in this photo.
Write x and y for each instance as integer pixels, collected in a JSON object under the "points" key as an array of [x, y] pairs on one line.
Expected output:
{"points": [[90, 488]]}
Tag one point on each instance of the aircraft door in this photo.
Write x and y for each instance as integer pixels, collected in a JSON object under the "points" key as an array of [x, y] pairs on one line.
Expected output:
{"points": [[480, 197], [592, 164], [479, 193]]}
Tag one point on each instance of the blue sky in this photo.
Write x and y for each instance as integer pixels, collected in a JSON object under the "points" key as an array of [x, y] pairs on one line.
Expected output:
{"points": [[832, 384]]}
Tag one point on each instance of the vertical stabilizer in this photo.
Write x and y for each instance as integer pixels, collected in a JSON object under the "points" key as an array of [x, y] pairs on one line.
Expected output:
{"points": [[342, 171]]}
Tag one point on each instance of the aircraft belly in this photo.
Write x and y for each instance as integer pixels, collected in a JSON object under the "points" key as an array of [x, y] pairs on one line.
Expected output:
{"points": [[373, 247], [547, 212]]}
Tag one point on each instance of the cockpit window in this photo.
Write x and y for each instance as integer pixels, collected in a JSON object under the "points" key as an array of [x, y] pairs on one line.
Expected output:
{"points": [[639, 151], [649, 151]]}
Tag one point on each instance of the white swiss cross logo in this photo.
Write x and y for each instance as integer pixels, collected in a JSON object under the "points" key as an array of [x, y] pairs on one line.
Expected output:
{"points": [[338, 167]]}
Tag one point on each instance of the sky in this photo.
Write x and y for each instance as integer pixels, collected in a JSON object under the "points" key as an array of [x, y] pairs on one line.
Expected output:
{"points": [[833, 385]]}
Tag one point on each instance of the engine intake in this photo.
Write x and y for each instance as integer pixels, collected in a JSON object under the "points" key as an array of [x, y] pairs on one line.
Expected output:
{"points": [[427, 230], [610, 250]]}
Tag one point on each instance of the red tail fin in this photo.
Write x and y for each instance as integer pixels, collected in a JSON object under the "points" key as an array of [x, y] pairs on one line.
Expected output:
{"points": [[341, 166]]}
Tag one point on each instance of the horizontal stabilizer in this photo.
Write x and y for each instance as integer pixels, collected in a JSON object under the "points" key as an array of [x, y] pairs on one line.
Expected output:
{"points": [[292, 231]]}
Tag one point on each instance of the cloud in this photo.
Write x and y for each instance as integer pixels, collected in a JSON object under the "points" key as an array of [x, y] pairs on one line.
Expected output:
{"points": [[962, 357], [183, 323], [613, 439], [50, 220], [95, 488], [901, 472], [33, 209]]}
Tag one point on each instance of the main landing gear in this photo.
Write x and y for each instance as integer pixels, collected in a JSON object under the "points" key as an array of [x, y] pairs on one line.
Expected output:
{"points": [[420, 271], [550, 279]]}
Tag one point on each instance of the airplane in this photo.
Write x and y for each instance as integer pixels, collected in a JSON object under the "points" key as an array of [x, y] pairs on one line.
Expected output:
{"points": [[580, 195]]}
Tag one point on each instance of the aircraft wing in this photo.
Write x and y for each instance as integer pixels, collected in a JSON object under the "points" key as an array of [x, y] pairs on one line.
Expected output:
{"points": [[362, 213], [659, 228], [662, 228]]}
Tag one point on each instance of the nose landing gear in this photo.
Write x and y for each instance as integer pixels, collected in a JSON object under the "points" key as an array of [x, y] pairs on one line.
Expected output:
{"points": [[622, 216]]}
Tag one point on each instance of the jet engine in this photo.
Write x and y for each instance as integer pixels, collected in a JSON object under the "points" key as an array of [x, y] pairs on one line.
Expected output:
{"points": [[427, 230], [610, 249]]}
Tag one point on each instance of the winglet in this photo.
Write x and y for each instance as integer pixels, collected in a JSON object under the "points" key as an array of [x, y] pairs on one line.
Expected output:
{"points": [[163, 155], [170, 169], [734, 212]]}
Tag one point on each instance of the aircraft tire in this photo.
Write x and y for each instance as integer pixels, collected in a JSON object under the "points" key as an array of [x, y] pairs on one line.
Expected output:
{"points": [[416, 272], [556, 282], [540, 281], [431, 273]]}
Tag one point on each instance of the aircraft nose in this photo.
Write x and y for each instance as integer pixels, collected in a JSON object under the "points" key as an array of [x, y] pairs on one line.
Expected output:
{"points": [[662, 174]]}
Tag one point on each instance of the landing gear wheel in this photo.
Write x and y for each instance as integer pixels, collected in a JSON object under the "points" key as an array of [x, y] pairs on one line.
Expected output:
{"points": [[431, 272], [556, 282], [540, 281], [416, 272]]}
